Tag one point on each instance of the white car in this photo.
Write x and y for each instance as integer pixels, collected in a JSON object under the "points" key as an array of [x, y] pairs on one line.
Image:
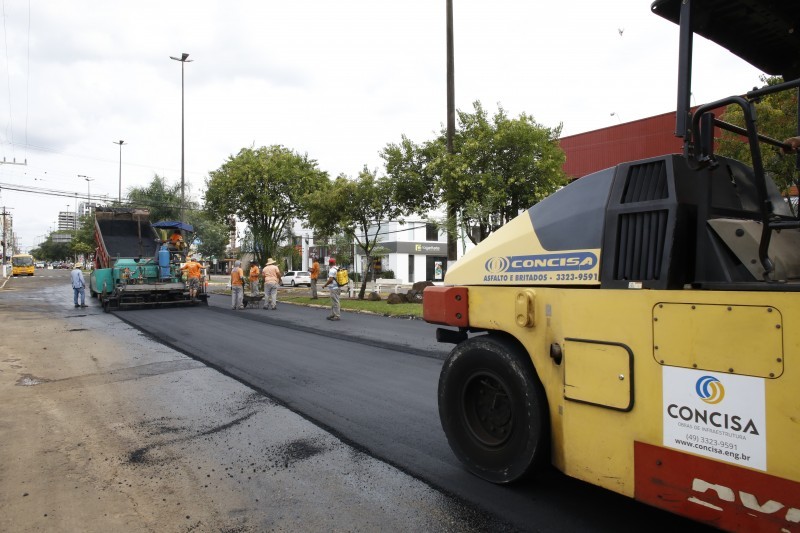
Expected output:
{"points": [[296, 277]]}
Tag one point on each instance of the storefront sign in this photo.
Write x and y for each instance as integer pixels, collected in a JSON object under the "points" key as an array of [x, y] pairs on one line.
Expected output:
{"points": [[415, 248]]}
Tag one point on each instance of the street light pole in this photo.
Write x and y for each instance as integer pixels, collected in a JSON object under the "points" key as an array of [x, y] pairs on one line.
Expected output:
{"points": [[88, 191], [120, 143], [183, 59]]}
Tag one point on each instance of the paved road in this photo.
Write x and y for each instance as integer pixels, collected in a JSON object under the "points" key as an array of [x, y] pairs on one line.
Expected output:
{"points": [[104, 429], [372, 381]]}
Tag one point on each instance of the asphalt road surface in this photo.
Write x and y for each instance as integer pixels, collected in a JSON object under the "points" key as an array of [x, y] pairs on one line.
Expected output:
{"points": [[368, 381], [372, 381]]}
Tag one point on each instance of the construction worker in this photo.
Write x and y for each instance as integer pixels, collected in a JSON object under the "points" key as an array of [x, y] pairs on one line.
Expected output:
{"points": [[254, 275], [193, 271]]}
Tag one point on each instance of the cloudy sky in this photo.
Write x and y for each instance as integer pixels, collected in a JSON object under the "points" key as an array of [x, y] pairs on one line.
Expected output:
{"points": [[335, 80]]}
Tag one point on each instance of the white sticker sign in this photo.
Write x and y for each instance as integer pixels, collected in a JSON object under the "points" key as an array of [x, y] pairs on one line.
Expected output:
{"points": [[721, 416]]}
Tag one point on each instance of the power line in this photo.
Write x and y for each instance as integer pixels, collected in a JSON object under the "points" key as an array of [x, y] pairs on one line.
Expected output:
{"points": [[129, 203], [67, 194], [152, 167]]}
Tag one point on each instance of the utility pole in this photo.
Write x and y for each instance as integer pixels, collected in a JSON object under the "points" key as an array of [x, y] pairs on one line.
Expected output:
{"points": [[452, 243], [5, 233]]}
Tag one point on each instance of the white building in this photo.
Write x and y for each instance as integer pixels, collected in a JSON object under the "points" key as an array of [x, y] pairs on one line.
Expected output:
{"points": [[67, 221], [413, 251]]}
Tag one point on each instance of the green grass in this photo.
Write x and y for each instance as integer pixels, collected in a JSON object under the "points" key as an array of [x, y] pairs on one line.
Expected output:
{"points": [[381, 307]]}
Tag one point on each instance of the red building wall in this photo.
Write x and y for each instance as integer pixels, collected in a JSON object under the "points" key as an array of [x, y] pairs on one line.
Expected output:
{"points": [[595, 150]]}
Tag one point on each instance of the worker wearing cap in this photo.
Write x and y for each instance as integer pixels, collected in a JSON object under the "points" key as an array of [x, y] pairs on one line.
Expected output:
{"points": [[192, 268], [336, 309]]}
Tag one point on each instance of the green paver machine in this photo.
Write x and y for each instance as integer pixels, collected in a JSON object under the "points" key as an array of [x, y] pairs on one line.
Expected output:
{"points": [[134, 266]]}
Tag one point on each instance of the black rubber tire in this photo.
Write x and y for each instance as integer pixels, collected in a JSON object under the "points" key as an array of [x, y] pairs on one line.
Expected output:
{"points": [[293, 284], [493, 409]]}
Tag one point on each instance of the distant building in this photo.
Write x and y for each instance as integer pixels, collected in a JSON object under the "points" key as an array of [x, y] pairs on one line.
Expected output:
{"points": [[67, 221], [61, 237], [641, 139], [85, 208], [415, 250], [607, 147]]}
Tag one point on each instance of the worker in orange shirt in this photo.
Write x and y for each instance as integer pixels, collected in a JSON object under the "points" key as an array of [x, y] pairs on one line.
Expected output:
{"points": [[314, 276], [254, 275], [237, 286], [176, 240], [193, 271], [272, 278]]}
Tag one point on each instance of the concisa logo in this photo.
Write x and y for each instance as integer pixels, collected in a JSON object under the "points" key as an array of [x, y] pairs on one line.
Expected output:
{"points": [[553, 262], [710, 389], [497, 264]]}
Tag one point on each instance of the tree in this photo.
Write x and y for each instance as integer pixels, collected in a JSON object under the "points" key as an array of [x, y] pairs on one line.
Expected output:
{"points": [[499, 167], [777, 118], [164, 203], [52, 251], [160, 198], [412, 168], [263, 187], [83, 239], [358, 209], [212, 236], [84, 234]]}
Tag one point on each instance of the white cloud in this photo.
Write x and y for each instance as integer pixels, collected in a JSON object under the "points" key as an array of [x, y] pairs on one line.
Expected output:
{"points": [[336, 80]]}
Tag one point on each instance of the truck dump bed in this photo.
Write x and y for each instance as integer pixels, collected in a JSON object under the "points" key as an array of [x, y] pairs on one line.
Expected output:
{"points": [[122, 239], [123, 233]]}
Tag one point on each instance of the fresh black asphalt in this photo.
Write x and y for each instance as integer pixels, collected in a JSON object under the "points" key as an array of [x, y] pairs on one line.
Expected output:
{"points": [[372, 381]]}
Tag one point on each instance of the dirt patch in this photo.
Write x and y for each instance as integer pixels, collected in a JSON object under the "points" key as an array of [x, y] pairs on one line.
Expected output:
{"points": [[29, 380], [295, 452]]}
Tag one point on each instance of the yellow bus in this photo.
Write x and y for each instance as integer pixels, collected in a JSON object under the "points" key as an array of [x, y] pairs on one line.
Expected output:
{"points": [[22, 265]]}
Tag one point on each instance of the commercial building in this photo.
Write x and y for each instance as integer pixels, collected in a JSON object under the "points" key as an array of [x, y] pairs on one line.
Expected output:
{"points": [[409, 251], [67, 221], [596, 150]]}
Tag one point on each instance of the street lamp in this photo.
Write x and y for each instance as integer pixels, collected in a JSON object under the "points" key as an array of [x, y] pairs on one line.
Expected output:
{"points": [[183, 59], [120, 143], [88, 191]]}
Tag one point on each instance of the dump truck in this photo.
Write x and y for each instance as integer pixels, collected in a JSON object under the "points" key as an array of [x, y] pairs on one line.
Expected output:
{"points": [[634, 329], [134, 266]]}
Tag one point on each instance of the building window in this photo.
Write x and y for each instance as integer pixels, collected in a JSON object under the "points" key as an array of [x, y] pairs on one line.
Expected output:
{"points": [[431, 232]]}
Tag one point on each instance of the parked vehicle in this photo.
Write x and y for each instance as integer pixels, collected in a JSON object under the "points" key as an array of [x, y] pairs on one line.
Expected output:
{"points": [[296, 277]]}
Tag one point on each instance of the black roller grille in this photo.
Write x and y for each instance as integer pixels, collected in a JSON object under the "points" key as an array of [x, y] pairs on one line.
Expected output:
{"points": [[640, 245], [646, 182]]}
